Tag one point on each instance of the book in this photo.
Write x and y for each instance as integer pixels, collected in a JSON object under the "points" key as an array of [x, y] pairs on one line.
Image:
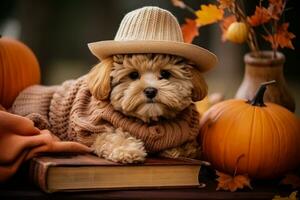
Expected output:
{"points": [[89, 172]]}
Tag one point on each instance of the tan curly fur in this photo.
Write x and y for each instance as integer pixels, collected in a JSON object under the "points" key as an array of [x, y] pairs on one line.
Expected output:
{"points": [[110, 80]]}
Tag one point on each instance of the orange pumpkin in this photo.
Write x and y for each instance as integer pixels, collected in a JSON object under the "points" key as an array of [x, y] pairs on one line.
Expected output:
{"points": [[19, 69], [252, 137]]}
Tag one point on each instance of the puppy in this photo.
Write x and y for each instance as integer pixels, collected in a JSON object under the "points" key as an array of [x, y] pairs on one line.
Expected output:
{"points": [[125, 107], [150, 87]]}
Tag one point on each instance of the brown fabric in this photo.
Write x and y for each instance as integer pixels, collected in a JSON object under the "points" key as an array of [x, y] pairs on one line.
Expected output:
{"points": [[72, 113], [2, 108], [20, 141]]}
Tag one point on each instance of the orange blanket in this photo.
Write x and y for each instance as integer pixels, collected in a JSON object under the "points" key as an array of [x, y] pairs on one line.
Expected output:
{"points": [[20, 141]]}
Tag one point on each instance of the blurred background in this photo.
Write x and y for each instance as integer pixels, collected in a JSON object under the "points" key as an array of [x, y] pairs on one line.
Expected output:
{"points": [[58, 32]]}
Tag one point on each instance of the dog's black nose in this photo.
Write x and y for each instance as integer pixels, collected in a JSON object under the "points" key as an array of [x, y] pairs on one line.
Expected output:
{"points": [[150, 92]]}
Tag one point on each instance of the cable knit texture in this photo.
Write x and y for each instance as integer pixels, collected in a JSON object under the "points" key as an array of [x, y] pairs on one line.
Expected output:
{"points": [[73, 114]]}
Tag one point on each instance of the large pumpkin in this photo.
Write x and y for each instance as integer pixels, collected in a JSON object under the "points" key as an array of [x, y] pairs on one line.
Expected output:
{"points": [[19, 69], [252, 137]]}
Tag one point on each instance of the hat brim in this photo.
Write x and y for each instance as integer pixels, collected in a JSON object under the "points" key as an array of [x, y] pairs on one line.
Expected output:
{"points": [[203, 59]]}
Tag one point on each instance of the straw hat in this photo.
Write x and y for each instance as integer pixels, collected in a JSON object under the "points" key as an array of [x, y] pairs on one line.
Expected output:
{"points": [[152, 30]]}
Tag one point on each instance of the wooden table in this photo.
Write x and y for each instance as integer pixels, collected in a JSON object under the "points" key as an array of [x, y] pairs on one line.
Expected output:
{"points": [[19, 188]]}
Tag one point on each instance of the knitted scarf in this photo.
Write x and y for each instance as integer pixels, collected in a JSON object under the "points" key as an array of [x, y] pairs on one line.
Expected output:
{"points": [[72, 113]]}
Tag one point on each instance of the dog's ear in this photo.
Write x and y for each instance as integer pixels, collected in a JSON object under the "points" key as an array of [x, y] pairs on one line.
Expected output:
{"points": [[98, 79], [199, 85]]}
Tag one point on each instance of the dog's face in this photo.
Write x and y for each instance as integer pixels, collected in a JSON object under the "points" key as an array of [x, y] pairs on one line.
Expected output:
{"points": [[150, 86]]}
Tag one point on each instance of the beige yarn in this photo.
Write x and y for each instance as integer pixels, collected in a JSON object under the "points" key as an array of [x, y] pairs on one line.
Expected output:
{"points": [[70, 112], [149, 23]]}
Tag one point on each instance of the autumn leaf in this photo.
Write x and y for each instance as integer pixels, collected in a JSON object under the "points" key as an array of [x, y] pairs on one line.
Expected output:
{"points": [[276, 8], [292, 196], [282, 38], [260, 16], [178, 3], [291, 179], [189, 30], [232, 183], [208, 14], [275, 1], [225, 24], [225, 3]]}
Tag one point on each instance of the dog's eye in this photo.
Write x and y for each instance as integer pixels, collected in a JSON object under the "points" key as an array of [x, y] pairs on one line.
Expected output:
{"points": [[180, 62], [134, 75], [165, 74]]}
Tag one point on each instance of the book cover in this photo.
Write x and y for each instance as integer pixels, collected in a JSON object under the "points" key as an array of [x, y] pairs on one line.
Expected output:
{"points": [[89, 172]]}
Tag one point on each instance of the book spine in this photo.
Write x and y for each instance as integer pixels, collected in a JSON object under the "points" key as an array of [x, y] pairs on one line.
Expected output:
{"points": [[38, 174]]}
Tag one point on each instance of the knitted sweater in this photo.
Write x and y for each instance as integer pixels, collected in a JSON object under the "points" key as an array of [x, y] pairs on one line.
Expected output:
{"points": [[72, 113]]}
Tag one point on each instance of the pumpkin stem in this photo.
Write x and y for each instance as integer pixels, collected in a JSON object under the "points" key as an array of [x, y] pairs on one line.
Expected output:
{"points": [[258, 100]]}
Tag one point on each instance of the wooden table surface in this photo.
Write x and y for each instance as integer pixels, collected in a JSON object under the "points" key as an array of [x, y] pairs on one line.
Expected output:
{"points": [[19, 188]]}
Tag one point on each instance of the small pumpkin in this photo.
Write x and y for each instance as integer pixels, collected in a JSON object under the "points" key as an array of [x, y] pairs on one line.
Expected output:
{"points": [[237, 32], [203, 105], [252, 137], [19, 69]]}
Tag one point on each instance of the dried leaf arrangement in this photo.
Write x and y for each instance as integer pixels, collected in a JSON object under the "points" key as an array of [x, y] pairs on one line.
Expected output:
{"points": [[237, 27]]}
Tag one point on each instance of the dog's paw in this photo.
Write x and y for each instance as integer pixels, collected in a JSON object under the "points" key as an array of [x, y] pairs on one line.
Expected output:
{"points": [[119, 147], [187, 150], [171, 153], [125, 154]]}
